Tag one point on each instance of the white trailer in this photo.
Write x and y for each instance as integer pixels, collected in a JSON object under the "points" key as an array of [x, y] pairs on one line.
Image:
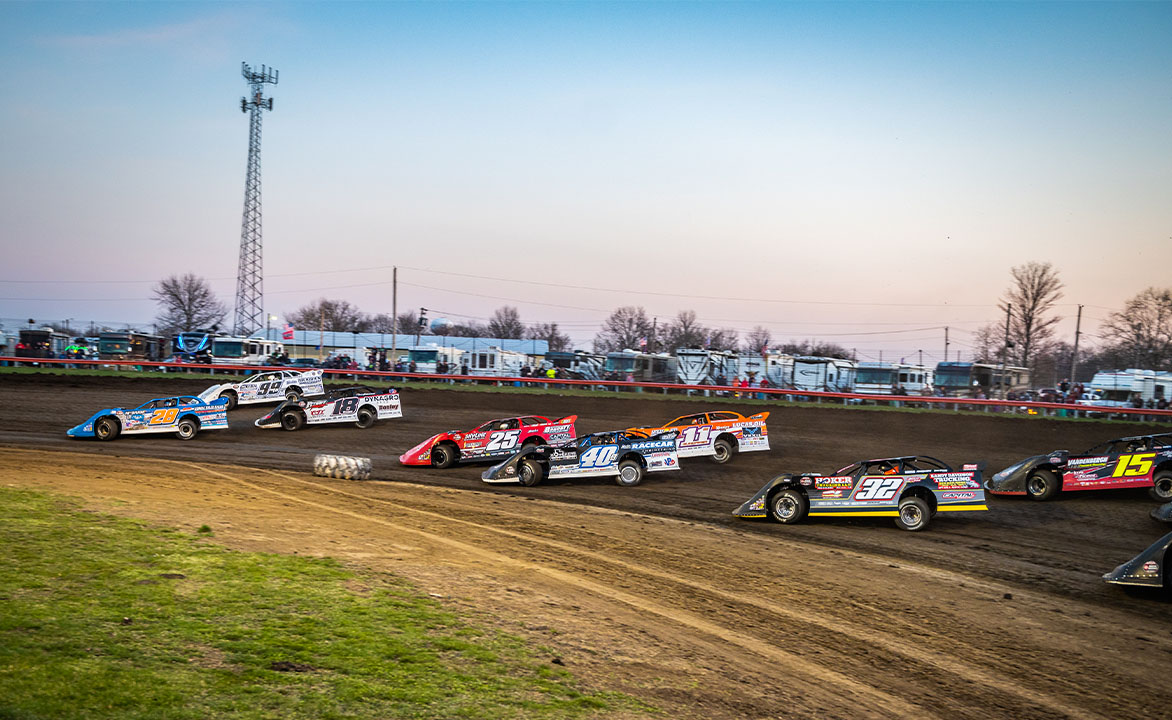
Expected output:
{"points": [[493, 362], [428, 357], [580, 364], [695, 366], [882, 378], [822, 373], [1122, 388]]}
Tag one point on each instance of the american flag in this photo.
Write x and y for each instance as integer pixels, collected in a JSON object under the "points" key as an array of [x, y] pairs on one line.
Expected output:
{"points": [[287, 333]]}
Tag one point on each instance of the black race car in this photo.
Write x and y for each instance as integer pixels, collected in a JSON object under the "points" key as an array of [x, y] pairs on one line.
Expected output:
{"points": [[1148, 569], [1140, 461], [910, 489], [627, 454]]}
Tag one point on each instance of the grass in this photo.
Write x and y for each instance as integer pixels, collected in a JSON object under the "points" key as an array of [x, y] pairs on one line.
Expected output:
{"points": [[110, 618], [568, 390]]}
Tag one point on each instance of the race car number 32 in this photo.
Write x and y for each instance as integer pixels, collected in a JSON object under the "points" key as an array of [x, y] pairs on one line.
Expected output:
{"points": [[878, 488]]}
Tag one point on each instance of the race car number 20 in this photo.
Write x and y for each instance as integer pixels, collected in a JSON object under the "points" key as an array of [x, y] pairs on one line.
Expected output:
{"points": [[878, 488]]}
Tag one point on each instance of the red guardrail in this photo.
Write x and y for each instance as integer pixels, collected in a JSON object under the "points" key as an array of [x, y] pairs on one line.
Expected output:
{"points": [[727, 390]]}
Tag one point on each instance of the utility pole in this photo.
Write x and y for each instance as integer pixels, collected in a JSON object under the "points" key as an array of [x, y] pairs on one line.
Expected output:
{"points": [[921, 358], [945, 343], [654, 324], [395, 316], [1005, 348], [1074, 356], [250, 276]]}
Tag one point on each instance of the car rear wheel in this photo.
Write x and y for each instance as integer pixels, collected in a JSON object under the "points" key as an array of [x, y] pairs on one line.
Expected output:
{"points": [[1162, 487], [291, 420], [630, 473], [721, 451], [293, 394], [788, 506], [529, 474], [366, 418], [443, 456], [230, 396], [106, 428], [914, 514], [187, 428], [1041, 484]]}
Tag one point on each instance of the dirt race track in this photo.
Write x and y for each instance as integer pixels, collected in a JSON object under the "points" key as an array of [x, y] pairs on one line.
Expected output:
{"points": [[656, 590]]}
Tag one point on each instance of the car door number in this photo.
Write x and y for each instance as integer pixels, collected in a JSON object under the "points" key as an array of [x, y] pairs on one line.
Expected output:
{"points": [[345, 406], [878, 488], [163, 417], [597, 457], [1136, 465], [696, 435], [502, 440]]}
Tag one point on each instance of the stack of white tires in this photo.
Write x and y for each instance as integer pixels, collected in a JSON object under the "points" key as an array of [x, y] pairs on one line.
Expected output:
{"points": [[342, 467]]}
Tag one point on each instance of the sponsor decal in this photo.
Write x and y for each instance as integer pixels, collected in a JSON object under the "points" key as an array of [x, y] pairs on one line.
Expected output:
{"points": [[832, 493], [510, 470], [958, 495], [557, 455], [1088, 461], [807, 481], [668, 462], [968, 466], [318, 412], [844, 481], [956, 484], [758, 504], [1151, 567]]}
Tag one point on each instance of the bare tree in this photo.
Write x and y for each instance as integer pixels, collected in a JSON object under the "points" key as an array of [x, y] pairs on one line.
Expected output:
{"points": [[186, 302], [381, 323], [723, 339], [815, 348], [987, 342], [758, 340], [470, 329], [623, 329], [1034, 291], [1141, 333], [409, 324], [333, 315], [558, 341], [506, 323], [684, 331]]}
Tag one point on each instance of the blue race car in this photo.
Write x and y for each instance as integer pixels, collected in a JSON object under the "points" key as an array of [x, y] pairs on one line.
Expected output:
{"points": [[185, 415]]}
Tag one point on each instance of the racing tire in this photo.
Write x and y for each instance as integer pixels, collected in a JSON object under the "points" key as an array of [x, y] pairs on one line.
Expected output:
{"points": [[630, 473], [443, 456], [107, 428], [1041, 485], [293, 394], [529, 473], [1162, 486], [914, 514], [291, 420], [187, 428], [342, 467], [722, 451], [366, 418], [230, 396], [788, 506]]}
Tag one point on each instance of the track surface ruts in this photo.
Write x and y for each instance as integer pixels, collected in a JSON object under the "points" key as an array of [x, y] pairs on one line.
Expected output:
{"points": [[998, 614]]}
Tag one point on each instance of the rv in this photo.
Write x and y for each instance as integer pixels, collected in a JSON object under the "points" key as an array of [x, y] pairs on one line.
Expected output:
{"points": [[882, 378], [579, 364], [644, 367], [43, 343], [429, 357], [130, 345], [965, 379], [244, 351], [822, 373], [705, 367], [493, 362], [1125, 388]]}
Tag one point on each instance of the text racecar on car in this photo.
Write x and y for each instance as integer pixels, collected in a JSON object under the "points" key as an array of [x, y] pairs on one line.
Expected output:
{"points": [[910, 489], [717, 434], [183, 415], [628, 455]]}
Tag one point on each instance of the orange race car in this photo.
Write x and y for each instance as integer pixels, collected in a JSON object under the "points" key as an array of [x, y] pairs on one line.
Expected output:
{"points": [[717, 434]]}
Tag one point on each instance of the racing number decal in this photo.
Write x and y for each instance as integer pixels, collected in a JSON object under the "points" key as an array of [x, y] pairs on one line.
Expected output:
{"points": [[345, 406], [1136, 465], [502, 440], [878, 488], [163, 417], [696, 435], [597, 457]]}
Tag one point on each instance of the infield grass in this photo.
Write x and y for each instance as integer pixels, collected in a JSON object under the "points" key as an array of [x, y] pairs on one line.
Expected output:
{"points": [[110, 618]]}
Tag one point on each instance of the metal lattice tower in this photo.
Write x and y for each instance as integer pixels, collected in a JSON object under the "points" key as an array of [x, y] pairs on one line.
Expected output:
{"points": [[249, 276]]}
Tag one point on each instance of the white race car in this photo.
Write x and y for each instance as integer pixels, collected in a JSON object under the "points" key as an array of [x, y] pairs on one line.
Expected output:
{"points": [[268, 387], [360, 405]]}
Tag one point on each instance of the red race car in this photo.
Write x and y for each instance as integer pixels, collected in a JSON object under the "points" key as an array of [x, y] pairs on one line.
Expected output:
{"points": [[494, 439]]}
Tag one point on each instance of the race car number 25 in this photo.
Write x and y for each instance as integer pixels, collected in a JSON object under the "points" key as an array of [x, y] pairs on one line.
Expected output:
{"points": [[878, 488], [502, 440]]}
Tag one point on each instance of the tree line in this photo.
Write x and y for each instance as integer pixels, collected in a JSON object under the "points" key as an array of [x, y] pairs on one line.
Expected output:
{"points": [[1138, 335]]}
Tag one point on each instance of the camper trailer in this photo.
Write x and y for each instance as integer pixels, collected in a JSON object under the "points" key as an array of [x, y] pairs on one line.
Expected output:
{"points": [[1129, 388], [579, 364], [822, 373], [43, 343], [130, 345], [644, 367], [244, 351], [429, 357], [695, 366], [965, 379], [492, 362], [882, 378]]}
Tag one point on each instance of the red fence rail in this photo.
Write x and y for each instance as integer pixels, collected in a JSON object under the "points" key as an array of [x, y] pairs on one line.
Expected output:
{"points": [[632, 386]]}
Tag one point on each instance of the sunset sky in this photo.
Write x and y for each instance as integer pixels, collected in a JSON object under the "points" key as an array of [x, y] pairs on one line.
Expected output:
{"points": [[862, 173]]}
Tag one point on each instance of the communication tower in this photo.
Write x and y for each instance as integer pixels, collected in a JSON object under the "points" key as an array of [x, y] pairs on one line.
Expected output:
{"points": [[250, 276]]}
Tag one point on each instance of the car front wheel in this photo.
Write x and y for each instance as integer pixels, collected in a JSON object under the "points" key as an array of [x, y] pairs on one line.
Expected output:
{"points": [[443, 456], [106, 428], [1041, 484], [291, 420], [529, 474], [788, 506]]}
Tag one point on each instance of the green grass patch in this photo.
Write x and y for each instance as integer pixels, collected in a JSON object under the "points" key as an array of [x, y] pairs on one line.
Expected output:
{"points": [[110, 618]]}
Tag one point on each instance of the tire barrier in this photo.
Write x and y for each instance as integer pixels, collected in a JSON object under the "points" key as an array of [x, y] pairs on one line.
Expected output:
{"points": [[342, 467]]}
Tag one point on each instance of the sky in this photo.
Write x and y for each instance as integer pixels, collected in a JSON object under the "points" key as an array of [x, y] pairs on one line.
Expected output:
{"points": [[858, 173]]}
